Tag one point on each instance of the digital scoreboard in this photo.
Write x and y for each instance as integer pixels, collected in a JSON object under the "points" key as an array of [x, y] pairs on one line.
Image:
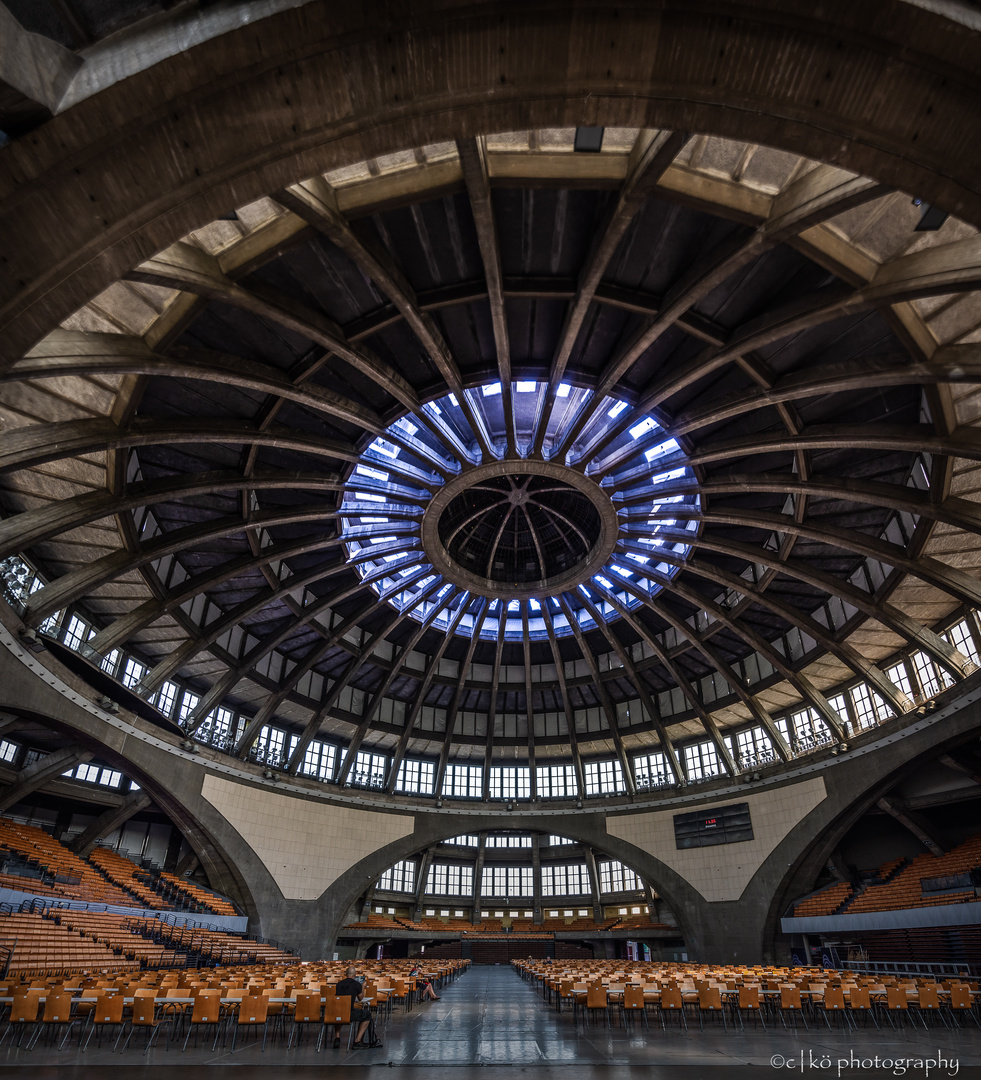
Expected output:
{"points": [[719, 825]]}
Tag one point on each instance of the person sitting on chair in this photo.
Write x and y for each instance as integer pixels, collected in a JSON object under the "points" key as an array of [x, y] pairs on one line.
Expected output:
{"points": [[427, 989], [350, 987]]}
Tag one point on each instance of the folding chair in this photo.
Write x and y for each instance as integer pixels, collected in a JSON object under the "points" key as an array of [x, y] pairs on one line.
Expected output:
{"points": [[596, 1000], [749, 1001], [23, 1011], [927, 1003], [147, 1016], [57, 1014], [790, 1003], [672, 1001], [337, 1013], [833, 1002], [107, 1013], [897, 1003], [633, 1002], [710, 1001], [961, 1002], [205, 1013], [306, 1011], [859, 1001], [252, 1013]]}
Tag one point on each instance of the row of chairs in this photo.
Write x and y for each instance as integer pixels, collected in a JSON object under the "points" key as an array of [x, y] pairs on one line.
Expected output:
{"points": [[62, 1016], [895, 1005]]}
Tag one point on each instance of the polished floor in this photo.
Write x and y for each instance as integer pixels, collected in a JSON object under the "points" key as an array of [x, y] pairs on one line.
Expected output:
{"points": [[490, 1019]]}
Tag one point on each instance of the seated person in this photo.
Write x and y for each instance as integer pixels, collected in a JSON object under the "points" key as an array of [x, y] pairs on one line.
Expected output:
{"points": [[427, 989], [350, 987]]}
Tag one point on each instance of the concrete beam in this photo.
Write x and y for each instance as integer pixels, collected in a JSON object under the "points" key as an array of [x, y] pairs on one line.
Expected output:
{"points": [[187, 865], [914, 822], [963, 765], [35, 72], [37, 775], [110, 821]]}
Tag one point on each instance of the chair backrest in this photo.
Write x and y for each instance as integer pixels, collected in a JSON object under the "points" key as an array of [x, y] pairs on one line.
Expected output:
{"points": [[339, 1012], [789, 997], [108, 1009], [596, 998], [858, 997], [834, 997], [144, 1007], [253, 1010], [307, 1008], [207, 1007], [57, 1008], [709, 997], [633, 997], [749, 997], [671, 998], [960, 997], [929, 998], [896, 998]]}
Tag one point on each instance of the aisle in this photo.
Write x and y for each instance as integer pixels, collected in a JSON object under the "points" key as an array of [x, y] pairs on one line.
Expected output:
{"points": [[490, 1017], [487, 1017]]}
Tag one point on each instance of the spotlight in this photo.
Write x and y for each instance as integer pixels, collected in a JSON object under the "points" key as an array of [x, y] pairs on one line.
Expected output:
{"points": [[109, 705], [30, 637], [189, 745], [931, 217], [268, 774]]}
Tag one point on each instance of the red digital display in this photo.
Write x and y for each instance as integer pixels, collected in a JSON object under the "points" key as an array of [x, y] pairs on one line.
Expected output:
{"points": [[709, 822]]}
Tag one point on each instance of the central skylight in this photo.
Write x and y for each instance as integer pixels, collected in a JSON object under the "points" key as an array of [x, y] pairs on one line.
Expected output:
{"points": [[449, 527]]}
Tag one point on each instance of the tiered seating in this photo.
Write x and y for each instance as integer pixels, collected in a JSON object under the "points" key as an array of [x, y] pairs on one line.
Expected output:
{"points": [[82, 881], [639, 922], [202, 898], [376, 922], [40, 945], [68, 941], [579, 924], [824, 902], [112, 930], [903, 891], [219, 945], [124, 872]]}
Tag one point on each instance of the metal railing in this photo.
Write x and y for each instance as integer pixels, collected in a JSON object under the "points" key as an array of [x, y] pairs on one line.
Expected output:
{"points": [[887, 967]]}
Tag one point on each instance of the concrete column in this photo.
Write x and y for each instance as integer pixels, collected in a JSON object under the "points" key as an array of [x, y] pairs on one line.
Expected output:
{"points": [[478, 871], [594, 884], [424, 864], [536, 866]]}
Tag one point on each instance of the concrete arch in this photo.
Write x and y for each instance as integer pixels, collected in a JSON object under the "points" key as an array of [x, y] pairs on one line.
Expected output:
{"points": [[115, 191], [586, 827]]}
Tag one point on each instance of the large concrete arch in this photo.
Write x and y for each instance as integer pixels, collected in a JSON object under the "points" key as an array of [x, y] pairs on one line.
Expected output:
{"points": [[124, 173], [298, 854]]}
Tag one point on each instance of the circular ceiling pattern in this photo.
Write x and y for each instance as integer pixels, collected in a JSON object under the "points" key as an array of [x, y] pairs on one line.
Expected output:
{"points": [[556, 465], [515, 531], [518, 530]]}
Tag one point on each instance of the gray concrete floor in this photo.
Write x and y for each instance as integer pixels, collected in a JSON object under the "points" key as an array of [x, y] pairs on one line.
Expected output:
{"points": [[490, 1019]]}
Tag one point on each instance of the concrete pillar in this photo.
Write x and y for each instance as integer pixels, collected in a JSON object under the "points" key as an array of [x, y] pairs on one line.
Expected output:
{"points": [[424, 864], [478, 870], [536, 869], [594, 884]]}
